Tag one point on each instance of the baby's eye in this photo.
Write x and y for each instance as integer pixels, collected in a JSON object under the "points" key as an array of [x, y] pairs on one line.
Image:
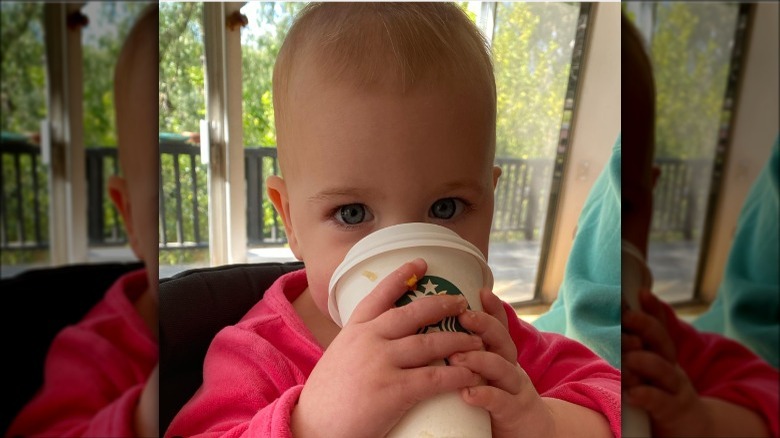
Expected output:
{"points": [[446, 208], [352, 214]]}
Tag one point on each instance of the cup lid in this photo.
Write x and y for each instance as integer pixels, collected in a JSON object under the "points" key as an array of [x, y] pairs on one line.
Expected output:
{"points": [[407, 235]]}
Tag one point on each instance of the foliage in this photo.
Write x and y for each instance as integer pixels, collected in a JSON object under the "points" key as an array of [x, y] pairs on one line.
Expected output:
{"points": [[189, 256], [260, 43], [691, 50], [532, 47], [24, 257], [22, 98], [182, 81], [24, 73]]}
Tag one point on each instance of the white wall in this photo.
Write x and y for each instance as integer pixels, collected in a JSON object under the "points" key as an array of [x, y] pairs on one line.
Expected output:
{"points": [[595, 129], [755, 128]]}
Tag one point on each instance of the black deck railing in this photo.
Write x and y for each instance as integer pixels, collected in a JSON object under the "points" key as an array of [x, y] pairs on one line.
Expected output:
{"points": [[521, 197], [23, 219], [680, 197]]}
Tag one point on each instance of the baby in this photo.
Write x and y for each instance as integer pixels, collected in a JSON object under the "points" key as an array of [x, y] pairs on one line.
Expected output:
{"points": [[101, 374], [385, 114]]}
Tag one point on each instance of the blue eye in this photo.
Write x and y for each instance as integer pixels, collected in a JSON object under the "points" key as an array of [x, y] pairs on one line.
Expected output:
{"points": [[446, 208], [351, 214]]}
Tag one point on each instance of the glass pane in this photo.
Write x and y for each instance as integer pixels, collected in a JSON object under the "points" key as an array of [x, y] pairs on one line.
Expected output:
{"points": [[183, 178], [102, 39], [532, 49], [24, 224], [691, 50], [268, 23]]}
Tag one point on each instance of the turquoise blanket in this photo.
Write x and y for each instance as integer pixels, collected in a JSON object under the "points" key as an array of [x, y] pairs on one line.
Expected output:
{"points": [[746, 305], [587, 308]]}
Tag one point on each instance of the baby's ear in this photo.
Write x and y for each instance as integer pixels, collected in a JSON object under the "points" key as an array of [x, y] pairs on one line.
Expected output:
{"points": [[277, 193], [496, 175], [120, 196]]}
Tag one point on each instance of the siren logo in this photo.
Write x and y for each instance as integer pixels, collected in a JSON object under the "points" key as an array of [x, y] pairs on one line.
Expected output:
{"points": [[430, 285]]}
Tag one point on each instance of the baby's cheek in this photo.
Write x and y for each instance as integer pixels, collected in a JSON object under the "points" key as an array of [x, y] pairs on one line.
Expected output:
{"points": [[318, 287]]}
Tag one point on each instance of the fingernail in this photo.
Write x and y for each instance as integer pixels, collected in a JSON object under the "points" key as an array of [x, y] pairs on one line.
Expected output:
{"points": [[419, 262], [463, 303], [457, 357]]}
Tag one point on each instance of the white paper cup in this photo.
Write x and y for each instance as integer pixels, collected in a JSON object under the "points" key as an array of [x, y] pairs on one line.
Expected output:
{"points": [[455, 266], [634, 275]]}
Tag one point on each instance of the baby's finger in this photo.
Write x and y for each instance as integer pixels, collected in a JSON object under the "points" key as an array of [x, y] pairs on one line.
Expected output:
{"points": [[652, 306], [629, 379], [408, 319], [493, 306], [422, 383], [494, 334], [654, 369], [420, 350], [630, 343], [649, 398], [387, 292], [501, 405], [652, 333], [494, 369]]}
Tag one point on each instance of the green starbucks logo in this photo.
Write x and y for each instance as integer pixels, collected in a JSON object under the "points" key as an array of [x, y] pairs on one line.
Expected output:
{"points": [[430, 285]]}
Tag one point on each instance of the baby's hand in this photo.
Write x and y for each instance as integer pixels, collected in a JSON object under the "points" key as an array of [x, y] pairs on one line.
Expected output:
{"points": [[515, 408], [376, 369], [651, 377]]}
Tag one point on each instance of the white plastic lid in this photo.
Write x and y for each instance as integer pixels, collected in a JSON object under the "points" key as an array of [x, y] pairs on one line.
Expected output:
{"points": [[407, 235]]}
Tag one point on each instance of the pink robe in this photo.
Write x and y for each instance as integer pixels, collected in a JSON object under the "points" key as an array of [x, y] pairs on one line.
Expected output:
{"points": [[95, 370], [255, 370], [722, 368]]}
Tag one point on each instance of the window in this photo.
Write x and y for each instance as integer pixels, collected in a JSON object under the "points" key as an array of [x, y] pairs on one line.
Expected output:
{"points": [[183, 195], [38, 86], [532, 45], [24, 230], [692, 47]]}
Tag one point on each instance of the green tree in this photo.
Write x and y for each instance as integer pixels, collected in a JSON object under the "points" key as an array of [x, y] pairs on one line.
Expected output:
{"points": [[260, 43], [691, 48], [182, 100], [102, 40], [22, 94], [532, 46]]}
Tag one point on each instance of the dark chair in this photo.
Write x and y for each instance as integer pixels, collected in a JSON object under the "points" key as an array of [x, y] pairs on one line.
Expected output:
{"points": [[194, 306], [37, 304]]}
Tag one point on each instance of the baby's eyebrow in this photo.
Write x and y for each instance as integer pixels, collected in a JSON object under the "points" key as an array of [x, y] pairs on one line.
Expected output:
{"points": [[472, 185], [337, 192]]}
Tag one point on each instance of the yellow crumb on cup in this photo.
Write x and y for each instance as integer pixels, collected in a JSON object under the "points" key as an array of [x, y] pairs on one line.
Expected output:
{"points": [[370, 275]]}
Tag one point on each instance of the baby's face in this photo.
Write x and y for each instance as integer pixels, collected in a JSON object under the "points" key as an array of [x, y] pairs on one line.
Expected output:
{"points": [[362, 161]]}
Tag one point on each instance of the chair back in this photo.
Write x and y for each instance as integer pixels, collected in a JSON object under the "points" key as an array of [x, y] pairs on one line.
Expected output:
{"points": [[38, 304], [194, 306]]}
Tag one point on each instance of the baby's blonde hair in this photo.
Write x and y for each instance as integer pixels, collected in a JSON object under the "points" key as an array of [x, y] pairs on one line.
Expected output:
{"points": [[400, 45]]}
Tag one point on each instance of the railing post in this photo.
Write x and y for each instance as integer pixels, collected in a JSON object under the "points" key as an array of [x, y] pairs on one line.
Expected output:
{"points": [[532, 207], [254, 197], [95, 223]]}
